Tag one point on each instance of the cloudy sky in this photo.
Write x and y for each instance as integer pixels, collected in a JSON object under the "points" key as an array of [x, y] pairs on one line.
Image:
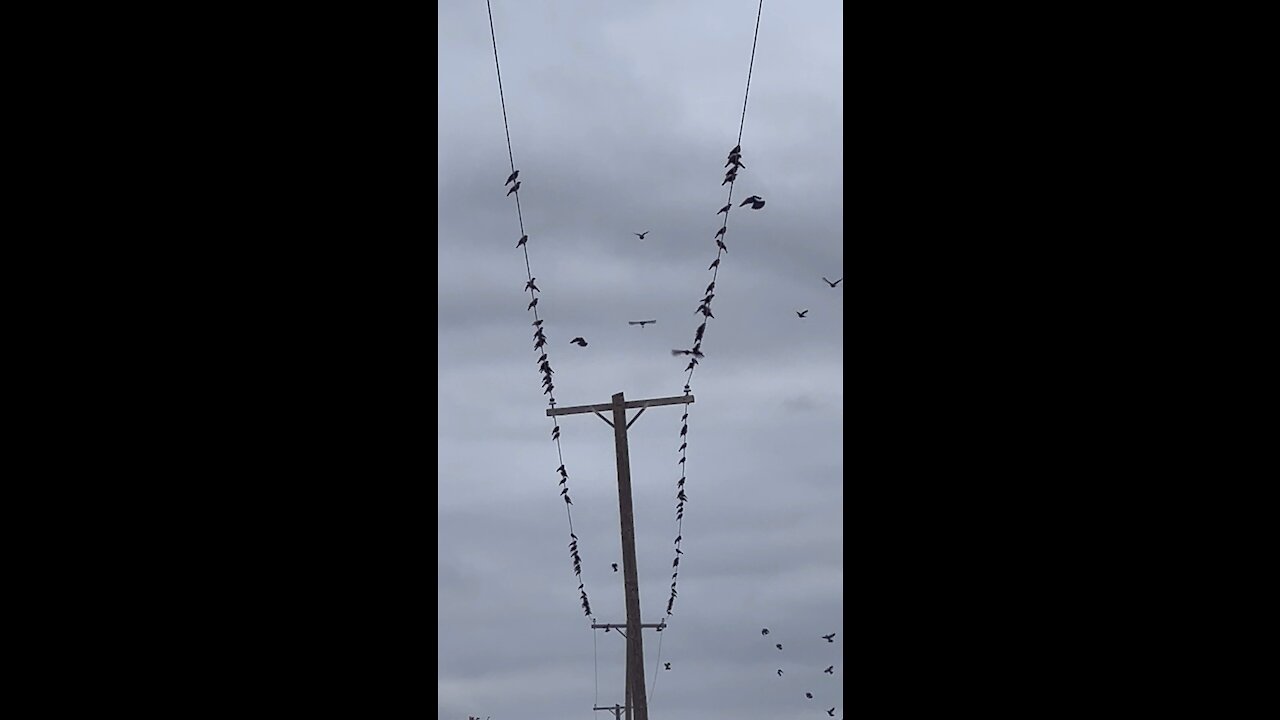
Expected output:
{"points": [[621, 117]]}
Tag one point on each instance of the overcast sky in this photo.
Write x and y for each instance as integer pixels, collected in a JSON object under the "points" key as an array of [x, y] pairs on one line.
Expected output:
{"points": [[621, 117]]}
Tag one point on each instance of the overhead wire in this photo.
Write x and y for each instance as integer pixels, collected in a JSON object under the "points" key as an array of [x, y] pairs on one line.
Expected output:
{"points": [[539, 336], [705, 309]]}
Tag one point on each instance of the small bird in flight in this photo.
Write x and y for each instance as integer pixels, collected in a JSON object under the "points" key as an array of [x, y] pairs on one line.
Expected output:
{"points": [[764, 631], [615, 566], [779, 646], [779, 672], [832, 712], [641, 323], [757, 205], [513, 177], [725, 209], [668, 665], [829, 638], [523, 239], [641, 235], [801, 313], [833, 284], [580, 342], [809, 695], [830, 669], [752, 199], [514, 188]]}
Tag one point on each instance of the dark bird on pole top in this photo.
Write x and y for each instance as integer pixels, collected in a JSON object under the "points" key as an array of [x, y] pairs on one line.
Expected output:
{"points": [[714, 264], [830, 670], [514, 188], [779, 646], [615, 566], [641, 323], [512, 177], [829, 638], [801, 313], [579, 342], [530, 285], [523, 239], [833, 284], [725, 209], [641, 235], [752, 199], [764, 631]]}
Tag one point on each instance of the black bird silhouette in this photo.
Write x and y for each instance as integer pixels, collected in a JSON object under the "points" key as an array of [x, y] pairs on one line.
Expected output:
{"points": [[697, 336], [615, 566], [764, 631], [514, 188], [779, 646], [710, 287], [641, 323], [533, 304], [832, 284], [757, 205], [529, 285], [809, 695], [721, 231], [779, 672], [513, 177], [731, 177], [668, 665], [801, 313], [725, 209], [706, 311], [830, 670], [579, 341], [641, 235], [720, 244], [736, 148], [829, 638], [752, 199], [832, 712], [536, 323], [523, 239], [714, 264]]}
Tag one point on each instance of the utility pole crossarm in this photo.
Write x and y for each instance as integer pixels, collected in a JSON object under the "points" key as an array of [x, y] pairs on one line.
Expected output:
{"points": [[629, 405]]}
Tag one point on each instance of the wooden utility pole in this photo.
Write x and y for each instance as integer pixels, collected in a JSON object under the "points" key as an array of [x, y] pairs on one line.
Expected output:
{"points": [[635, 645]]}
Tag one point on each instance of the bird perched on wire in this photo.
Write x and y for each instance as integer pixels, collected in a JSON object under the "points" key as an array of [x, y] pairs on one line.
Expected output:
{"points": [[529, 285], [641, 323], [641, 235], [731, 177], [751, 200], [523, 239], [829, 638], [579, 342], [513, 176], [801, 313], [721, 230], [514, 188], [725, 209], [832, 284], [533, 304], [720, 244], [714, 264]]}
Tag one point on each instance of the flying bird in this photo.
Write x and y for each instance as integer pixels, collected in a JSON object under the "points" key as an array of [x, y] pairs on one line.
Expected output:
{"points": [[801, 313], [764, 631], [832, 712], [832, 284], [757, 205], [752, 199], [514, 188], [579, 341], [830, 669], [513, 177], [523, 239], [668, 665], [725, 209], [779, 672], [529, 285], [829, 638], [641, 235], [641, 323], [809, 695], [779, 646], [615, 566]]}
